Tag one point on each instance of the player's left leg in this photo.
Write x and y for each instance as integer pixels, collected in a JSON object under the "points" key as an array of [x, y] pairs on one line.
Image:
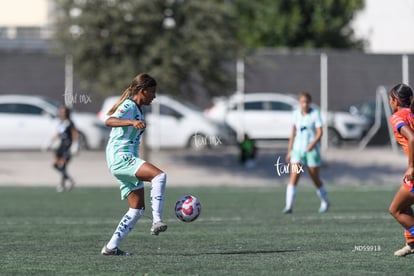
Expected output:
{"points": [[59, 165], [158, 178], [313, 160], [320, 189], [68, 181], [400, 209]]}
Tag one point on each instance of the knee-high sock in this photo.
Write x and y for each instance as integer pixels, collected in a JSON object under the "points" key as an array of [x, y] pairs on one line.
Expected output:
{"points": [[125, 226], [322, 194], [290, 195], [408, 237], [411, 230], [157, 196]]}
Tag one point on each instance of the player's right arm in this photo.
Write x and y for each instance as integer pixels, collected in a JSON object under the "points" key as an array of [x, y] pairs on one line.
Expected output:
{"points": [[123, 117], [408, 133], [118, 122]]}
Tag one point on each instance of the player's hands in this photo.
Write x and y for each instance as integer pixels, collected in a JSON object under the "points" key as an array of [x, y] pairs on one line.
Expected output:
{"points": [[409, 174], [138, 124], [287, 158], [47, 144], [75, 148]]}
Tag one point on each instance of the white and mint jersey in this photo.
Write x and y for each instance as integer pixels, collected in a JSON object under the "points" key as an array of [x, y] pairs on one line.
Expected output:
{"points": [[124, 140], [306, 126]]}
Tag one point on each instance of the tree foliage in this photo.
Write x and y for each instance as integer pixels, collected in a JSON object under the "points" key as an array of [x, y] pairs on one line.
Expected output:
{"points": [[173, 40], [297, 23], [179, 41]]}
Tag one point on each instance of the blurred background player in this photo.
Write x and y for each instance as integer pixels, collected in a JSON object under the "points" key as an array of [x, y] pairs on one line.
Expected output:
{"points": [[122, 154], [402, 122], [303, 149], [68, 144], [248, 152]]}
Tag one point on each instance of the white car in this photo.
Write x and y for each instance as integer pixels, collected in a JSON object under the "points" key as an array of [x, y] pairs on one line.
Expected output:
{"points": [[29, 122], [174, 124], [269, 116]]}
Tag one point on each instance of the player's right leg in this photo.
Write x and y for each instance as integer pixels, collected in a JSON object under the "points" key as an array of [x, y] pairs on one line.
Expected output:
{"points": [[136, 201], [132, 189], [291, 188]]}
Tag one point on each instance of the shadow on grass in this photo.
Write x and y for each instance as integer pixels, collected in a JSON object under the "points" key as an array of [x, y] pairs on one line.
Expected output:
{"points": [[334, 171], [245, 252], [248, 252]]}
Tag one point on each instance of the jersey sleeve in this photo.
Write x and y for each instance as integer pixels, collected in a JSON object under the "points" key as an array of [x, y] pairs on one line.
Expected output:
{"points": [[397, 122], [124, 110], [296, 118], [318, 119]]}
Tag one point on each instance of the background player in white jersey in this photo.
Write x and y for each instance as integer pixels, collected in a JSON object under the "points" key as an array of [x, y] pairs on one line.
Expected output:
{"points": [[127, 122], [303, 150]]}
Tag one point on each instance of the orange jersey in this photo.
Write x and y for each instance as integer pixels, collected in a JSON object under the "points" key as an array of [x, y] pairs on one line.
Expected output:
{"points": [[403, 117]]}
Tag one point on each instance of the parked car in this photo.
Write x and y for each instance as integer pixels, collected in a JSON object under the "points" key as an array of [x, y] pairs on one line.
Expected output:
{"points": [[269, 116], [175, 124], [367, 109], [29, 122]]}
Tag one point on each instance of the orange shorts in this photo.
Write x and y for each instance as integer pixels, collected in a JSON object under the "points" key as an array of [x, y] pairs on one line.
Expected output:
{"points": [[409, 185]]}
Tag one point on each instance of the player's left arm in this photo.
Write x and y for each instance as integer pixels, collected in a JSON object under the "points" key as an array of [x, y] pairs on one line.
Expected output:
{"points": [[319, 131], [408, 133], [315, 141], [75, 133], [75, 140]]}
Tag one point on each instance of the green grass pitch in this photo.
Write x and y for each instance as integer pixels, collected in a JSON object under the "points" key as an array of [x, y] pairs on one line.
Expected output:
{"points": [[240, 231]]}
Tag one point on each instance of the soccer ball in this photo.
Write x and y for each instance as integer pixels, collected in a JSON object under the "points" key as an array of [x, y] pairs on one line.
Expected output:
{"points": [[187, 208]]}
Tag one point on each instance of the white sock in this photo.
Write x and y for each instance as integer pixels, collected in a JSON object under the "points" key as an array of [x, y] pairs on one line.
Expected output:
{"points": [[322, 194], [124, 227], [157, 196], [290, 195]]}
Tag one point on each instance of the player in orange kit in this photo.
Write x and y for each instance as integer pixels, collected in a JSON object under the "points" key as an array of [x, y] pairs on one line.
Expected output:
{"points": [[402, 122]]}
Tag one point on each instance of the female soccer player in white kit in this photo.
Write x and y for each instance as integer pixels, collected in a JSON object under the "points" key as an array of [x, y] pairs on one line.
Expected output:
{"points": [[127, 122], [303, 150]]}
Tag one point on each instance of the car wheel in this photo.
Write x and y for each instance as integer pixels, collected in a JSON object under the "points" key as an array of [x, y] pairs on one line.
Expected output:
{"points": [[198, 142], [334, 139]]}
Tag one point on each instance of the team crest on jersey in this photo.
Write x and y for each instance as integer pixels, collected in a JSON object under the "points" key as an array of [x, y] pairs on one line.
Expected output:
{"points": [[129, 159]]}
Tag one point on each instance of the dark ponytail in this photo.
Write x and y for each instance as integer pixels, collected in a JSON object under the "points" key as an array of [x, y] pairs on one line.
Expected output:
{"points": [[404, 95]]}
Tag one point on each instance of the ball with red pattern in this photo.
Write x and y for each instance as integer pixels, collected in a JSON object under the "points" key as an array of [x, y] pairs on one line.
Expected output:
{"points": [[187, 208]]}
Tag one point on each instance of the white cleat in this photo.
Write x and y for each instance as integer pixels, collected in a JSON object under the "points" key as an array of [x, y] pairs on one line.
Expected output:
{"points": [[158, 227], [324, 207], [406, 250], [113, 252]]}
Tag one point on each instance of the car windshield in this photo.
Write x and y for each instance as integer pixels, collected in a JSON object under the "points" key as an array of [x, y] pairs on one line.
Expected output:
{"points": [[148, 108], [191, 106], [51, 102]]}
